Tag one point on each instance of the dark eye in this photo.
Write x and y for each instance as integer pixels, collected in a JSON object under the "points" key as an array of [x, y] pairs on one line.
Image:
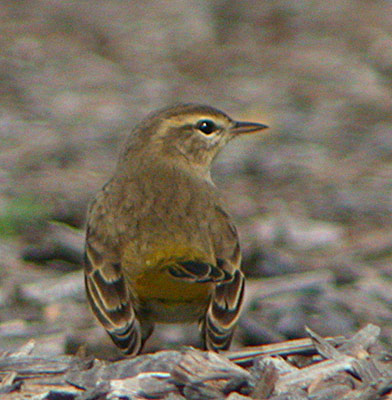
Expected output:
{"points": [[206, 126]]}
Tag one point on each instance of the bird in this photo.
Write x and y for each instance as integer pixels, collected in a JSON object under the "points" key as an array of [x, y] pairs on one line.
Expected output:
{"points": [[160, 246]]}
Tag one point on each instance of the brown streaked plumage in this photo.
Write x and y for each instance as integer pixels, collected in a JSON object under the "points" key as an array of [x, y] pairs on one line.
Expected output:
{"points": [[159, 245]]}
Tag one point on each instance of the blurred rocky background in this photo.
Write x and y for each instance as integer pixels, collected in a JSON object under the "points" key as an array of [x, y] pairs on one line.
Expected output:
{"points": [[312, 198]]}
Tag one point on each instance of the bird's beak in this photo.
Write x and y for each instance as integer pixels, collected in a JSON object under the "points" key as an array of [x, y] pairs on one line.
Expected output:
{"points": [[241, 127]]}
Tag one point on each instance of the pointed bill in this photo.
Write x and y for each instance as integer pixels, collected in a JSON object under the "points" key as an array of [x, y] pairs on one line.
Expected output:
{"points": [[241, 127]]}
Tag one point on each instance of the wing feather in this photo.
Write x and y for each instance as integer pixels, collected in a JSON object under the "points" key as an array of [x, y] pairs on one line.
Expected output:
{"points": [[226, 300], [223, 313], [110, 299]]}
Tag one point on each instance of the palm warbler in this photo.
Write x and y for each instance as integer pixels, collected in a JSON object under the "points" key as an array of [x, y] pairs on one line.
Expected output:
{"points": [[159, 245]]}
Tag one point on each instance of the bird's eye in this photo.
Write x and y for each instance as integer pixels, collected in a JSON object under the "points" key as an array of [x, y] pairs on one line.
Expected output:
{"points": [[206, 126]]}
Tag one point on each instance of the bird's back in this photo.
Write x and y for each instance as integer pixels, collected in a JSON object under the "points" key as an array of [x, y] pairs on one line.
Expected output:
{"points": [[167, 213]]}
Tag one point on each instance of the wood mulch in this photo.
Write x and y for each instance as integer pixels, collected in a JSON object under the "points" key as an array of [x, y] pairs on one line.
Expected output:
{"points": [[315, 368]]}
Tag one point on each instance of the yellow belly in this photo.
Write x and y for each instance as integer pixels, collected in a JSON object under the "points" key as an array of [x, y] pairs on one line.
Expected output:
{"points": [[153, 284], [166, 298]]}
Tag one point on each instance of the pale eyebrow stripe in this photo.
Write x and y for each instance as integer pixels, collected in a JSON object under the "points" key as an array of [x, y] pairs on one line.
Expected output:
{"points": [[181, 120]]}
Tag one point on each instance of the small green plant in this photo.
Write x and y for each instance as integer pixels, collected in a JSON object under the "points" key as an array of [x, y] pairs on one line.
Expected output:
{"points": [[21, 212]]}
